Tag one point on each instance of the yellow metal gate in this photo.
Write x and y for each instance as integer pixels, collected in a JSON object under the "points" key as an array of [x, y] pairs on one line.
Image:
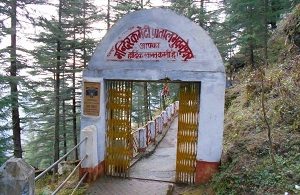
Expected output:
{"points": [[189, 100], [118, 141]]}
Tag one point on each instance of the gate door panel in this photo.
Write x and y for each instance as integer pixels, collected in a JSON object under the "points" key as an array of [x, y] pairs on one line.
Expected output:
{"points": [[189, 100], [118, 141]]}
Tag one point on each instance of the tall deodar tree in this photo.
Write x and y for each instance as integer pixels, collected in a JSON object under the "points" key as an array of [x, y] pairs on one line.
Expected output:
{"points": [[11, 81]]}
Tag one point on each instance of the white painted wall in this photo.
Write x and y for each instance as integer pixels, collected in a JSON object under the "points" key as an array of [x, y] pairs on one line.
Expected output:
{"points": [[99, 121], [89, 147], [210, 132]]}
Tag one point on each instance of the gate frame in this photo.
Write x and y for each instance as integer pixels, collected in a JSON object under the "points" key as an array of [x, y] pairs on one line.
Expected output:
{"points": [[205, 66]]}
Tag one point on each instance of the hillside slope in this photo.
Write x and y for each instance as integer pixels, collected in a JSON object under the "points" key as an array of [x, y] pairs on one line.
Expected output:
{"points": [[246, 164]]}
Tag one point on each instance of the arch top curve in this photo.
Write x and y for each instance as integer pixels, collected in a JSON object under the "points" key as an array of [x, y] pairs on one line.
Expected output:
{"points": [[156, 39]]}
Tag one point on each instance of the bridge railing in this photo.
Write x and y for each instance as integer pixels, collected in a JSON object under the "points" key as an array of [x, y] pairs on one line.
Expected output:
{"points": [[18, 177], [72, 172], [59, 160], [142, 138], [138, 141], [147, 135]]}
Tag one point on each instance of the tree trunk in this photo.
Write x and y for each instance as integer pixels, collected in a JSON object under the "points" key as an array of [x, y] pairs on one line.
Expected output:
{"points": [[266, 3], [149, 109], [146, 106], [84, 36], [251, 53], [251, 42], [201, 20], [56, 90], [163, 99], [108, 14], [64, 129], [14, 83], [272, 153], [74, 94]]}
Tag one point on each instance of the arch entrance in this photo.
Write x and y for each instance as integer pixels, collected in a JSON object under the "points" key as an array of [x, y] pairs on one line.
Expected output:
{"points": [[144, 46]]}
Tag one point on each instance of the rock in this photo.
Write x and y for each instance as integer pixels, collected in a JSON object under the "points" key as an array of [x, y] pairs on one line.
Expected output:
{"points": [[64, 167], [16, 177], [170, 189], [296, 39]]}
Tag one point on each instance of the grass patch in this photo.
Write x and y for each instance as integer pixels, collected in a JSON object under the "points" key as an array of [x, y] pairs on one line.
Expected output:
{"points": [[47, 184]]}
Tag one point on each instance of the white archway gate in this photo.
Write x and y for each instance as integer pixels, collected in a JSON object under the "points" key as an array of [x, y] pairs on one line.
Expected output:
{"points": [[144, 46]]}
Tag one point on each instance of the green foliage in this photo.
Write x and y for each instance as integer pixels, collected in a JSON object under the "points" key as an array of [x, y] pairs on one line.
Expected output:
{"points": [[12, 84], [246, 164], [223, 38], [46, 185], [75, 50], [139, 117], [243, 28], [126, 6], [196, 11], [277, 46], [5, 139], [292, 28], [4, 145], [260, 178]]}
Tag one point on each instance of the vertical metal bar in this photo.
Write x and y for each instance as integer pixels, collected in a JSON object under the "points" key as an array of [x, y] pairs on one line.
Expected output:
{"points": [[187, 132], [119, 136]]}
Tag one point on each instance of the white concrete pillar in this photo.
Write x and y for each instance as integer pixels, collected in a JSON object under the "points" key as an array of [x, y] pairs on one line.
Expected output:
{"points": [[168, 109], [151, 126], [89, 147], [167, 112], [211, 120], [176, 106], [142, 139], [210, 134], [172, 109], [16, 177], [164, 117], [158, 124]]}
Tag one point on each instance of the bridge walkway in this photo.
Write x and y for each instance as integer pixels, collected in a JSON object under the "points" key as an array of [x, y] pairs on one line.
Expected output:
{"points": [[153, 174]]}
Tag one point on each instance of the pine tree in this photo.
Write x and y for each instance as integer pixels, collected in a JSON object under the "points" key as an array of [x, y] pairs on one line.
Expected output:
{"points": [[251, 21], [12, 63], [4, 87], [122, 8], [64, 48], [14, 82], [194, 10], [76, 28], [51, 57]]}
